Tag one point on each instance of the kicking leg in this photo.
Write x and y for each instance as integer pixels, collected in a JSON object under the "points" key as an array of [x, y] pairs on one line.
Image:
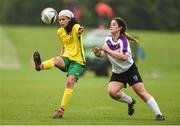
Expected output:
{"points": [[39, 65]]}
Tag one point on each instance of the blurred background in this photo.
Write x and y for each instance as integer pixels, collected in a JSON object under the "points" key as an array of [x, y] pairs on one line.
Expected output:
{"points": [[139, 14], [30, 97]]}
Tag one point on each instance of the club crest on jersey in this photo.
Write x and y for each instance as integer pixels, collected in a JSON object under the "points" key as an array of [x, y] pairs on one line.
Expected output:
{"points": [[111, 46]]}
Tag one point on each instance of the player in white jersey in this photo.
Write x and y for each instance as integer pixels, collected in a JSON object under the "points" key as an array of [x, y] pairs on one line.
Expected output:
{"points": [[120, 45], [116, 48]]}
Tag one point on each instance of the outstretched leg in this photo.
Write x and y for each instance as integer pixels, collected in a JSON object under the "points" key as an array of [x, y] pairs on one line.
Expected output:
{"points": [[47, 64], [148, 99]]}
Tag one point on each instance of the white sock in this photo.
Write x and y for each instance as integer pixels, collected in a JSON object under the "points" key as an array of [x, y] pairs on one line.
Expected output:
{"points": [[125, 98], [154, 106]]}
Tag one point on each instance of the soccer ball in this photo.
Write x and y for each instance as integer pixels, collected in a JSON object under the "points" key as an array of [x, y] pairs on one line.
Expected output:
{"points": [[49, 15]]}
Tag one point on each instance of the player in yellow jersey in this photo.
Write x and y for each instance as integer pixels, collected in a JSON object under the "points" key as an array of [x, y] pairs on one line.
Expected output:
{"points": [[71, 59]]}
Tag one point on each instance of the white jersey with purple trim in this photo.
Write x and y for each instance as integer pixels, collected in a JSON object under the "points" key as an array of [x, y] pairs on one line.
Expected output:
{"points": [[121, 45]]}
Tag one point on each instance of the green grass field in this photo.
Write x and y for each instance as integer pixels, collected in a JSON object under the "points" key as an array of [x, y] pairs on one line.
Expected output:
{"points": [[28, 97]]}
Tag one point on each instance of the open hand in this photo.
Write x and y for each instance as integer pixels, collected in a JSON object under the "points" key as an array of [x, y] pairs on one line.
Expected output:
{"points": [[97, 51]]}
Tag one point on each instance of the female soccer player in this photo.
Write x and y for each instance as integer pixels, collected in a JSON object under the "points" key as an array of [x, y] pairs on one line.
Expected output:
{"points": [[71, 59], [116, 48]]}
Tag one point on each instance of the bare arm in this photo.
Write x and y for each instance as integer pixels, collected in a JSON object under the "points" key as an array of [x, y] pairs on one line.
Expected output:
{"points": [[118, 55]]}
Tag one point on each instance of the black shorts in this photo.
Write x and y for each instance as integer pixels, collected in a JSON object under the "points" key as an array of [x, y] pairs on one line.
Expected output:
{"points": [[131, 76]]}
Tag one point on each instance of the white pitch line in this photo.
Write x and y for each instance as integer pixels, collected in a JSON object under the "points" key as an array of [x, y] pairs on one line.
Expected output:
{"points": [[8, 54]]}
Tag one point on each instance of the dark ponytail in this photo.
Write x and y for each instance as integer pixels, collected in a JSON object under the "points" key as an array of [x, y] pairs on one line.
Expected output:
{"points": [[69, 27]]}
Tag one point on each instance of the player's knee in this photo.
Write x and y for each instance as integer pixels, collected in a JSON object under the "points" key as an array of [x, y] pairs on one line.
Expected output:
{"points": [[112, 94], [57, 61]]}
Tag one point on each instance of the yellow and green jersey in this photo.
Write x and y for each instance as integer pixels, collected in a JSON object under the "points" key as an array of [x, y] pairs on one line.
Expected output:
{"points": [[72, 44]]}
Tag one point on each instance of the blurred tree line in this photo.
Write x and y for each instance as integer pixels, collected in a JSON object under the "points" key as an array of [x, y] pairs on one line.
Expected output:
{"points": [[139, 14]]}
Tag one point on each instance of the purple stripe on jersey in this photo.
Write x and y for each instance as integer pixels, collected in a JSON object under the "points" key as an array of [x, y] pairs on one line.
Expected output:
{"points": [[125, 43], [111, 46]]}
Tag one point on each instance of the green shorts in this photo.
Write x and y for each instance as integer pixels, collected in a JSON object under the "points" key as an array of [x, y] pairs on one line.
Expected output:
{"points": [[73, 68]]}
